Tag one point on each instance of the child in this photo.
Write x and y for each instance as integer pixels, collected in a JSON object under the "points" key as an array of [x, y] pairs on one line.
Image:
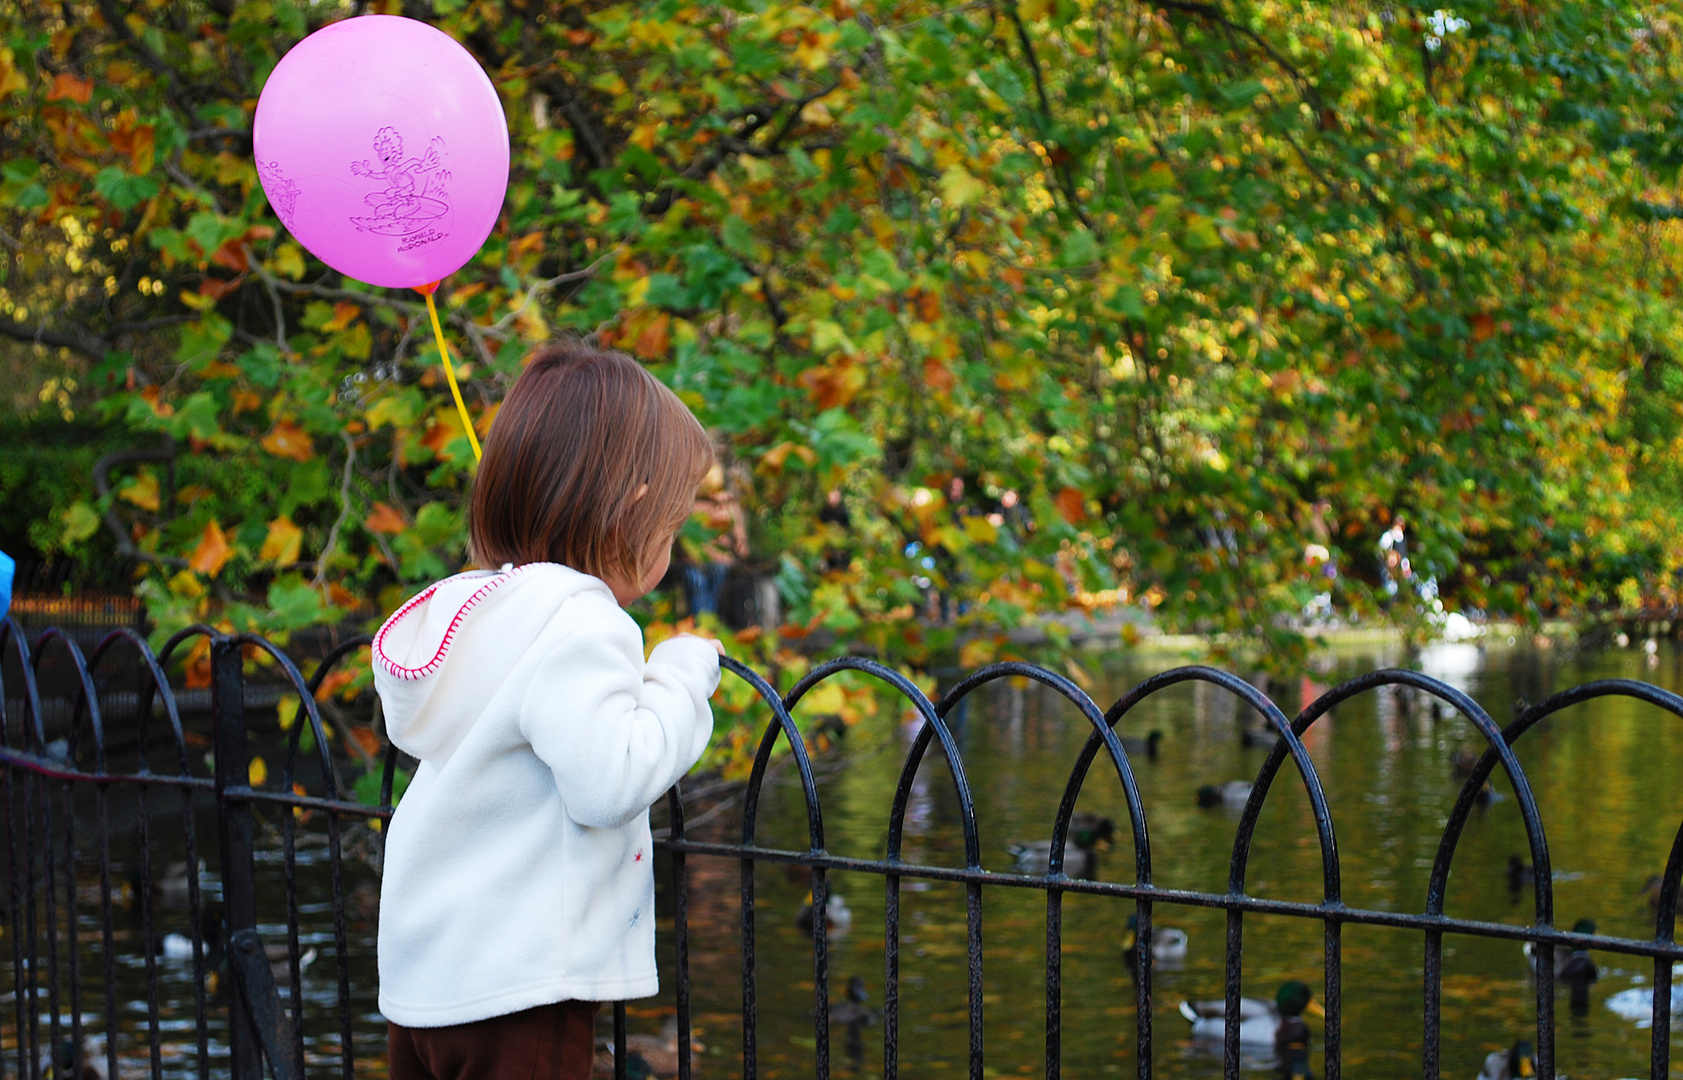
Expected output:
{"points": [[518, 888]]}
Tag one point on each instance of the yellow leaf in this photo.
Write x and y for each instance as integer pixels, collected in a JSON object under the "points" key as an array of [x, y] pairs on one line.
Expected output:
{"points": [[213, 551], [288, 440], [258, 771], [976, 652], [288, 260], [80, 522], [959, 188], [813, 52], [281, 545], [143, 492], [1035, 9]]}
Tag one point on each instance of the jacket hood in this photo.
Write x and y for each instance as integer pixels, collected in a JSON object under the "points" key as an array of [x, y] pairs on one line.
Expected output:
{"points": [[437, 653]]}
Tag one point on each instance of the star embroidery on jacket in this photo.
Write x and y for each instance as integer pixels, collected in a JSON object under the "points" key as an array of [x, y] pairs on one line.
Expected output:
{"points": [[639, 856]]}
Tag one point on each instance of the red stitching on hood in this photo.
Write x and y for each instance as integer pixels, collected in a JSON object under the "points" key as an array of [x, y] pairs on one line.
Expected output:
{"points": [[408, 674]]}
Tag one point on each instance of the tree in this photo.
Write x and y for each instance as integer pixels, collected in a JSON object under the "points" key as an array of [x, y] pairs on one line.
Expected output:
{"points": [[1169, 272]]}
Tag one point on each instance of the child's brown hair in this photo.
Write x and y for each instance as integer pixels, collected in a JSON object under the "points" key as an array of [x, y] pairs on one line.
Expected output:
{"points": [[583, 431]]}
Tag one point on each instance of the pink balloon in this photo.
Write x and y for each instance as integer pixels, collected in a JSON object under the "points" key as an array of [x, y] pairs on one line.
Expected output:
{"points": [[382, 146]]}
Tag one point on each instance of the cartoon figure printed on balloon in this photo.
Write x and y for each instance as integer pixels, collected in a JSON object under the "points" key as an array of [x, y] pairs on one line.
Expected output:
{"points": [[283, 193], [414, 196]]}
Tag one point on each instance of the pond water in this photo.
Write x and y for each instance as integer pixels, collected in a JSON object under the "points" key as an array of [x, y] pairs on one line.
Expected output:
{"points": [[1605, 776]]}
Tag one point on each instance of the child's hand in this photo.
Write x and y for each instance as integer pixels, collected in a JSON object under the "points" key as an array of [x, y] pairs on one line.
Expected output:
{"points": [[717, 644]]}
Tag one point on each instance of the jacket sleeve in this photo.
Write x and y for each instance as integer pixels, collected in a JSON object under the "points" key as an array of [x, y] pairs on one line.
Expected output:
{"points": [[616, 731]]}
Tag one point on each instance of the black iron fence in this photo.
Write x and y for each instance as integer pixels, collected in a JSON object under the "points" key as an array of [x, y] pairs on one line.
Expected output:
{"points": [[119, 733]]}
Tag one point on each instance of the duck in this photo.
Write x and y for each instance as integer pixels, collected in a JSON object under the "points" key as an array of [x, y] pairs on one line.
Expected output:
{"points": [[1651, 889], [76, 1061], [1259, 737], [1291, 1049], [1465, 761], [647, 1057], [176, 947], [1259, 1021], [1168, 943], [838, 917], [1086, 832], [1510, 1064], [86, 1060], [171, 885], [1568, 963], [1147, 746], [1233, 794], [853, 1010]]}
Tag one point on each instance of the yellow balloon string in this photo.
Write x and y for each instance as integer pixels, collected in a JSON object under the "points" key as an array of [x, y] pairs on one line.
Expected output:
{"points": [[450, 373]]}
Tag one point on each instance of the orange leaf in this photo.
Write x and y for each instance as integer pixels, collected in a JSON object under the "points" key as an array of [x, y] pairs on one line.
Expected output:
{"points": [[67, 87], [213, 551], [385, 519], [344, 313], [197, 674], [1070, 505], [216, 288], [938, 376], [335, 682], [288, 440], [656, 336], [231, 256], [365, 738], [1484, 325]]}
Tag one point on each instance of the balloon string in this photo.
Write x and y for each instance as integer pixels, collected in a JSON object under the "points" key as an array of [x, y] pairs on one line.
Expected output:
{"points": [[450, 373]]}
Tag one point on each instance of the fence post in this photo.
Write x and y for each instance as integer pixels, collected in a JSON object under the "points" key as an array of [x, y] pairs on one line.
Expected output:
{"points": [[235, 828]]}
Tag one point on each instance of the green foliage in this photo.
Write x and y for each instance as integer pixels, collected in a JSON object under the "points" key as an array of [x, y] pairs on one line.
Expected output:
{"points": [[1151, 281]]}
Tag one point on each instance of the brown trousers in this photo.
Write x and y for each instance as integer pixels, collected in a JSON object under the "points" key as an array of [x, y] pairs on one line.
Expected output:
{"points": [[550, 1042]]}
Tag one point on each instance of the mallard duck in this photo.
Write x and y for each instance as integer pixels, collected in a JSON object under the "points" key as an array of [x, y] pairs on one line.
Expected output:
{"points": [[1259, 737], [1510, 1064], [838, 917], [1571, 963], [1291, 1049], [1465, 761], [1147, 746], [1086, 833], [1233, 794], [1259, 1021], [1168, 943], [646, 1056]]}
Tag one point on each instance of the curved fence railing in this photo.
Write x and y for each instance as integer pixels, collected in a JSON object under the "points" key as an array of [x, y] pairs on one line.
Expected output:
{"points": [[116, 733]]}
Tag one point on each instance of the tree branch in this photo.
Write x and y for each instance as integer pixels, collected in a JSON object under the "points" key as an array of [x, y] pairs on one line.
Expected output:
{"points": [[1066, 182], [87, 344]]}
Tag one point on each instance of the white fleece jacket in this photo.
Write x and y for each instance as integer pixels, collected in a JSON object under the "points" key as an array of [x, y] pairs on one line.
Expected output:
{"points": [[518, 867]]}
